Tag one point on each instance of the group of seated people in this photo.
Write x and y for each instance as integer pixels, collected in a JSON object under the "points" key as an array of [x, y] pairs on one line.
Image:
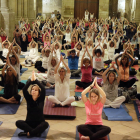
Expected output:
{"points": [[100, 49]]}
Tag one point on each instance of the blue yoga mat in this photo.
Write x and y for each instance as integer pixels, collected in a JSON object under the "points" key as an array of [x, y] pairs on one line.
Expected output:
{"points": [[9, 108], [1, 122], [50, 91], [77, 135], [137, 111], [23, 70], [43, 135], [118, 114], [22, 56]]}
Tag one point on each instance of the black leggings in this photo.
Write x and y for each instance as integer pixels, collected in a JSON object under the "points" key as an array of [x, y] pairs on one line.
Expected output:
{"points": [[41, 69], [94, 131], [33, 128], [83, 84], [127, 84]]}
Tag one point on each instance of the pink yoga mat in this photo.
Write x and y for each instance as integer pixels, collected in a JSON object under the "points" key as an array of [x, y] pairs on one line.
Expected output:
{"points": [[136, 67], [58, 111]]}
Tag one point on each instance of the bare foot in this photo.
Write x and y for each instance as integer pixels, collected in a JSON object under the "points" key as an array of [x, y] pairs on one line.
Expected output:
{"points": [[53, 105], [84, 138], [28, 134]]}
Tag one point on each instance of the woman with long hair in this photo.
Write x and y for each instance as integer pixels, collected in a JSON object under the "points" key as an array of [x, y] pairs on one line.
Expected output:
{"points": [[10, 80], [110, 86]]}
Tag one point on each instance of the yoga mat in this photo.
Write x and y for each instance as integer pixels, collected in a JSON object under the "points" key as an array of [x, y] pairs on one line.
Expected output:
{"points": [[58, 112], [78, 137], [22, 56], [118, 114], [50, 91], [43, 135], [136, 67], [9, 108], [137, 110], [78, 103], [78, 91], [23, 70], [130, 77], [1, 122]]}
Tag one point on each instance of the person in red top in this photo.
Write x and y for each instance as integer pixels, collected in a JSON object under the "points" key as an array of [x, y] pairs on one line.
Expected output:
{"points": [[73, 42], [86, 69], [3, 35], [93, 129]]}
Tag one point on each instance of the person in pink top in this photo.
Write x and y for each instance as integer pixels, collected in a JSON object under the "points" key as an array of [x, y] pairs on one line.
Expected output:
{"points": [[86, 69], [93, 129], [47, 39]]}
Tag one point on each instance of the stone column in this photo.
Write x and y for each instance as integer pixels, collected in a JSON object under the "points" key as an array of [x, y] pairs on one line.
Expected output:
{"points": [[103, 9], [8, 19], [135, 13]]}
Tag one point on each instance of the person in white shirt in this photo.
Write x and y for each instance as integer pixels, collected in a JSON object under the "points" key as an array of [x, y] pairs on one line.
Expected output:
{"points": [[33, 54], [45, 54], [98, 63], [62, 92], [52, 15], [57, 48], [53, 60]]}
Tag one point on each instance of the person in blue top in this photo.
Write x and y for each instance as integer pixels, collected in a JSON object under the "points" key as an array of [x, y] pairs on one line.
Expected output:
{"points": [[73, 59]]}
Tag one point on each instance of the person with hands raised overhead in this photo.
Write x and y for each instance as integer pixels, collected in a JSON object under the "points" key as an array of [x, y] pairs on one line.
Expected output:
{"points": [[62, 76], [73, 62], [47, 38], [35, 123], [53, 61], [14, 60], [98, 60], [45, 54], [110, 86], [10, 83], [93, 129], [123, 65], [86, 69], [33, 54]]}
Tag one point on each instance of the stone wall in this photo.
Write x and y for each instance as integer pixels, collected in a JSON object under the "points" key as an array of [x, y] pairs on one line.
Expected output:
{"points": [[103, 9], [68, 8]]}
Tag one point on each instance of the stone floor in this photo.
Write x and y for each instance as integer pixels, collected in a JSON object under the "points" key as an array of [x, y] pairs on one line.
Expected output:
{"points": [[65, 129]]}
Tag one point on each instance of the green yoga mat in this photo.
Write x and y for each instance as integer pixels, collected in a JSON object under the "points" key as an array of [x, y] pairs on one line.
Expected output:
{"points": [[2, 91], [78, 104]]}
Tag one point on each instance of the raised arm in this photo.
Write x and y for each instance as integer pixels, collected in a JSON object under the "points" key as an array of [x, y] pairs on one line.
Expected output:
{"points": [[103, 95], [91, 62], [57, 66], [15, 55], [93, 51], [83, 58], [68, 70]]}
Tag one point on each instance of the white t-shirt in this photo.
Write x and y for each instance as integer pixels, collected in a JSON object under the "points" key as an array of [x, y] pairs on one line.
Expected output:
{"points": [[45, 62], [33, 52], [111, 51], [62, 91], [5, 52], [105, 54], [67, 37], [50, 73], [98, 62]]}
